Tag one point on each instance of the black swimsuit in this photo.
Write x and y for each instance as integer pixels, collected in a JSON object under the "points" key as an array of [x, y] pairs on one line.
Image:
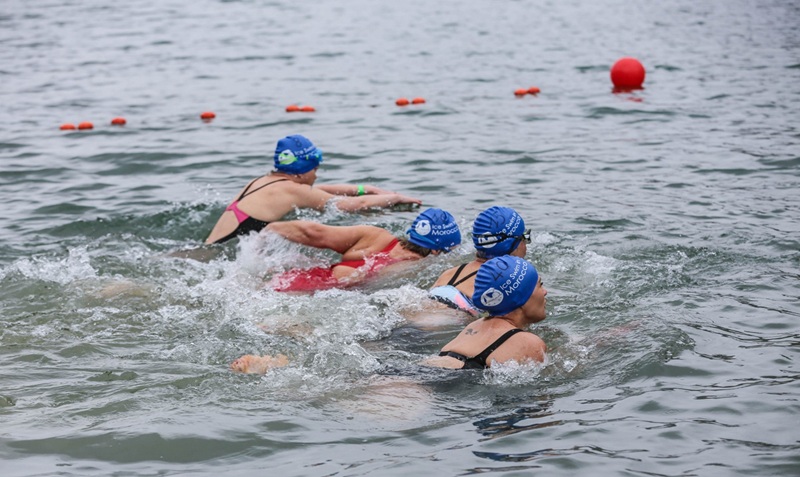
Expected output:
{"points": [[247, 224], [479, 361]]}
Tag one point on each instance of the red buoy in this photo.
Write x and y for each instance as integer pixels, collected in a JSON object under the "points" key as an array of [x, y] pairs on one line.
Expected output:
{"points": [[307, 109], [401, 102], [534, 90], [627, 73], [208, 115], [67, 127], [86, 125], [520, 92], [418, 101], [118, 122], [292, 108]]}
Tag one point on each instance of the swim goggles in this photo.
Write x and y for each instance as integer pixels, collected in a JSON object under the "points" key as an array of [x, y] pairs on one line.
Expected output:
{"points": [[491, 239]]}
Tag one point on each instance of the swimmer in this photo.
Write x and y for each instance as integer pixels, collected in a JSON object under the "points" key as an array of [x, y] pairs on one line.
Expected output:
{"points": [[365, 249], [510, 290], [290, 186], [497, 231]]}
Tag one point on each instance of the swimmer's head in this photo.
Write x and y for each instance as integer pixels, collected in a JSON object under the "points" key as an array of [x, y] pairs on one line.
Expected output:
{"points": [[504, 284], [296, 155], [497, 231], [435, 229]]}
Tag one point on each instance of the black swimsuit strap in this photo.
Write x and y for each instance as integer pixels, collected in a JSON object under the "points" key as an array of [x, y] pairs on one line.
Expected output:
{"points": [[479, 361], [453, 281], [481, 358], [455, 275], [245, 192], [470, 275]]}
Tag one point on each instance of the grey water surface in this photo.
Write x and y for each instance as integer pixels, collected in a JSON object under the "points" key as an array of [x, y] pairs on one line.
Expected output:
{"points": [[665, 226]]}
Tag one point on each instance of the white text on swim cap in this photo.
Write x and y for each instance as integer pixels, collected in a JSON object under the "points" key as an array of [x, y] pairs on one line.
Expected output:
{"points": [[515, 279], [446, 229], [512, 225]]}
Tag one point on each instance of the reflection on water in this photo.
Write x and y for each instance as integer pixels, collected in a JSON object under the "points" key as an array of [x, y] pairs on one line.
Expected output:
{"points": [[664, 224]]}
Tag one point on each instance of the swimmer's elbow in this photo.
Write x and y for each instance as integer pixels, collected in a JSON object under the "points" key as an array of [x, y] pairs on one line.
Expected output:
{"points": [[299, 231]]}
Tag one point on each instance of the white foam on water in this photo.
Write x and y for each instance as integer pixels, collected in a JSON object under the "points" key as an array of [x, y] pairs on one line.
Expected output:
{"points": [[75, 266], [513, 373]]}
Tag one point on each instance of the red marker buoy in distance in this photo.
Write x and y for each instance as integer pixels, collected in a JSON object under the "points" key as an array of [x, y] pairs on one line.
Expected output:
{"points": [[86, 125], [627, 74], [118, 122], [292, 108], [520, 92], [401, 102], [534, 90], [67, 127], [418, 101], [207, 116], [307, 109]]}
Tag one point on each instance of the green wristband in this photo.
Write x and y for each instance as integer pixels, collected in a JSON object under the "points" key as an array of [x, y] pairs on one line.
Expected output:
{"points": [[361, 190]]}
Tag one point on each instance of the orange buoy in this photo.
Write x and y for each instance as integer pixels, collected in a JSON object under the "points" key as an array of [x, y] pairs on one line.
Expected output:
{"points": [[418, 101], [86, 125], [627, 73], [307, 109], [534, 90], [67, 127], [520, 92], [401, 102], [118, 122], [292, 108], [208, 115]]}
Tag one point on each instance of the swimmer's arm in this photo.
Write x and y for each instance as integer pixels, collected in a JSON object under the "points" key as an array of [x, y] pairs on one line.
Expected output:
{"points": [[337, 238], [317, 198], [522, 348], [352, 204], [352, 190], [533, 348]]}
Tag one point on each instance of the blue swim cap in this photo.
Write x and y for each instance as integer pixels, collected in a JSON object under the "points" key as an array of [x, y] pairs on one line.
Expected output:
{"points": [[495, 229], [504, 284], [296, 155], [435, 229]]}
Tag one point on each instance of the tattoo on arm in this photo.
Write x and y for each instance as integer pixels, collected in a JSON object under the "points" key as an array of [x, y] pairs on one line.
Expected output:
{"points": [[470, 331]]}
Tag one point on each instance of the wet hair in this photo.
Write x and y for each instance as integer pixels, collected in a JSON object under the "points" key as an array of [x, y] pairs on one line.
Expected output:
{"points": [[414, 248]]}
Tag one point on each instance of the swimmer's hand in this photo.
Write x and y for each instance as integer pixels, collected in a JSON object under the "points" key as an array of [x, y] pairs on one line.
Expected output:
{"points": [[252, 364], [404, 199]]}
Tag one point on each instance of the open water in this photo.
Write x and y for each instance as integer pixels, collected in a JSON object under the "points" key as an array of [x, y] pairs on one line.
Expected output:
{"points": [[666, 225]]}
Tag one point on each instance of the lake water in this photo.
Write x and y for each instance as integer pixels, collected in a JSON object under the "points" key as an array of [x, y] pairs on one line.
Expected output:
{"points": [[665, 224]]}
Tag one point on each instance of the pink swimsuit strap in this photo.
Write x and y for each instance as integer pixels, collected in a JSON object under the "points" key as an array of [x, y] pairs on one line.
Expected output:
{"points": [[234, 207]]}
